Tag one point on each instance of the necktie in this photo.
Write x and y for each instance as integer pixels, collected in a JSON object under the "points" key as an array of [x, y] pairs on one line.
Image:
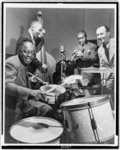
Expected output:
{"points": [[28, 84], [106, 51]]}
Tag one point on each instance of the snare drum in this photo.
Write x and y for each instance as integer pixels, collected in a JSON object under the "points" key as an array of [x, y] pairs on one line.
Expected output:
{"points": [[89, 119], [24, 131], [52, 96]]}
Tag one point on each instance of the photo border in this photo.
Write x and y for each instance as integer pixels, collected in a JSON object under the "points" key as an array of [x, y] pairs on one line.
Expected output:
{"points": [[66, 146]]}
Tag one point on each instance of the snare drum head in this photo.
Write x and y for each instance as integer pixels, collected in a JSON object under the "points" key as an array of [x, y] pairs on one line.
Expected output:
{"points": [[25, 131], [81, 102], [58, 90]]}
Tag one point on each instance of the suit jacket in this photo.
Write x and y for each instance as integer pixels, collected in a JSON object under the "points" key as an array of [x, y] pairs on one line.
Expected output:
{"points": [[108, 63], [15, 87], [89, 57], [104, 62]]}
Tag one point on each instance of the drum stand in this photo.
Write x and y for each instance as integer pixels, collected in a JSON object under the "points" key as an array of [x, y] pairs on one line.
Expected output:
{"points": [[104, 82]]}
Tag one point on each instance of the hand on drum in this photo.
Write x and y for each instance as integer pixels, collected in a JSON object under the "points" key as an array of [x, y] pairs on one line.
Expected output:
{"points": [[37, 95]]}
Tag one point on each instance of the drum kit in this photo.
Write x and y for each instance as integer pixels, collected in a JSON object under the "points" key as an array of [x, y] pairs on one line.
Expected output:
{"points": [[86, 120]]}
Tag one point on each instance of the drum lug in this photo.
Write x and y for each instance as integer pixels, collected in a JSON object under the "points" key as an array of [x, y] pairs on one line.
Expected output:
{"points": [[76, 126], [66, 124]]}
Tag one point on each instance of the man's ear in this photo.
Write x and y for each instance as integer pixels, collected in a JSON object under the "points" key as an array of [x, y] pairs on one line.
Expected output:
{"points": [[108, 33], [32, 28]]}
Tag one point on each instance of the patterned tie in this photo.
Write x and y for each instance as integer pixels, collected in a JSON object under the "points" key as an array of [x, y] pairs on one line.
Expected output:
{"points": [[106, 51], [28, 84]]}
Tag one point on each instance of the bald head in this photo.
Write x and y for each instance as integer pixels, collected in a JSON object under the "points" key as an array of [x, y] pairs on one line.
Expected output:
{"points": [[37, 30], [103, 34], [35, 23]]}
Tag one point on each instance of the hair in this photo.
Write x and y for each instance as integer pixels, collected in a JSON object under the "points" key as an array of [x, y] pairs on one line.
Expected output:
{"points": [[106, 28], [20, 46], [83, 32]]}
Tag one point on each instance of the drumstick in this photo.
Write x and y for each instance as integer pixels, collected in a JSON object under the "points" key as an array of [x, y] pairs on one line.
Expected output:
{"points": [[38, 78], [54, 88]]}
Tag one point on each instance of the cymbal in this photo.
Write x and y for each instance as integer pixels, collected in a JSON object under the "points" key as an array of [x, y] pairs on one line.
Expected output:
{"points": [[97, 70], [72, 79]]}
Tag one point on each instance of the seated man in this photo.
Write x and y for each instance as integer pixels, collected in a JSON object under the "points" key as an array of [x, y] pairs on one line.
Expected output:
{"points": [[43, 62], [85, 55], [20, 100]]}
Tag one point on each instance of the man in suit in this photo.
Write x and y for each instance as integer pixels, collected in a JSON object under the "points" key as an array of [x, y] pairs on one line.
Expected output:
{"points": [[20, 100], [106, 55], [85, 55]]}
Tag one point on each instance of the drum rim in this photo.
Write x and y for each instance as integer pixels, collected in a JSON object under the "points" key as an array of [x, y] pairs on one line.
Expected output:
{"points": [[85, 105], [52, 94], [36, 117]]}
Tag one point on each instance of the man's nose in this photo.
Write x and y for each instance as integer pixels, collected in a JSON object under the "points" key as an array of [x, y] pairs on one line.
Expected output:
{"points": [[30, 54], [99, 36]]}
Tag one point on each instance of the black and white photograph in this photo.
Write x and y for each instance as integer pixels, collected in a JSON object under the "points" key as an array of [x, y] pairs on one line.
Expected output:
{"points": [[59, 78]]}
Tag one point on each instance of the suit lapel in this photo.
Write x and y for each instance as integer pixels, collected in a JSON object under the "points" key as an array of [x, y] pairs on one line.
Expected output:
{"points": [[111, 52], [23, 75]]}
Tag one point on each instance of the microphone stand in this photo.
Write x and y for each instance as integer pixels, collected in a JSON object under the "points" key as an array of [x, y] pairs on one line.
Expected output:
{"points": [[63, 65]]}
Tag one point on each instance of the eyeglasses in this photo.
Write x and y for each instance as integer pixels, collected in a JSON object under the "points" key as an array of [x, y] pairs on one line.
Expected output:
{"points": [[42, 31], [28, 52]]}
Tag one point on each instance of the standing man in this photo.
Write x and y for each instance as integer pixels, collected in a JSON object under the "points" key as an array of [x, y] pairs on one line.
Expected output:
{"points": [[85, 55], [106, 55], [20, 100]]}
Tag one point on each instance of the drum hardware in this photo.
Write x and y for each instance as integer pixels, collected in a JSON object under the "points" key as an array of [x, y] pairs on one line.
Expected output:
{"points": [[76, 92], [93, 123], [43, 82], [76, 126]]}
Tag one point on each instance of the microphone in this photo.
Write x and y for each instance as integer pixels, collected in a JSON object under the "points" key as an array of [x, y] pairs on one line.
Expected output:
{"points": [[62, 49]]}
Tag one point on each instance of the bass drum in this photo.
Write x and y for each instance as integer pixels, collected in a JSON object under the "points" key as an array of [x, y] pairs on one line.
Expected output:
{"points": [[89, 119], [25, 131]]}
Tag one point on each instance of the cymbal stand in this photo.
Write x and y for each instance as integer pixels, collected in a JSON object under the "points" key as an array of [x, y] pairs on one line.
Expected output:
{"points": [[103, 80]]}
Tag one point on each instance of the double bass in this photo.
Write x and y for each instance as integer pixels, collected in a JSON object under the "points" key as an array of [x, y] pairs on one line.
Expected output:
{"points": [[44, 57]]}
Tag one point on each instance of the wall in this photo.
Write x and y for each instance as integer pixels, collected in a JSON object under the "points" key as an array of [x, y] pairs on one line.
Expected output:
{"points": [[61, 26]]}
